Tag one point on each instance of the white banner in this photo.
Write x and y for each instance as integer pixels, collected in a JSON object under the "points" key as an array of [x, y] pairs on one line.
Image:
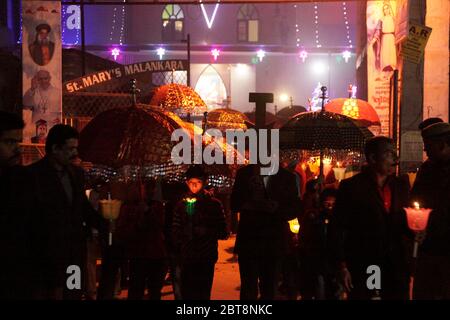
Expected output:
{"points": [[42, 68]]}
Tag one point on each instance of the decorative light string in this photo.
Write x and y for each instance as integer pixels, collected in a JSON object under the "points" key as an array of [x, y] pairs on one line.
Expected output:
{"points": [[297, 28], [122, 25], [113, 24], [316, 23], [347, 24], [64, 22], [19, 40], [64, 26], [209, 21]]}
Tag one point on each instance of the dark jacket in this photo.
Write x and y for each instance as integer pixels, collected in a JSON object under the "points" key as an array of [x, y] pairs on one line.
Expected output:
{"points": [[58, 228], [432, 190], [263, 217], [363, 232], [143, 231], [15, 275], [196, 227]]}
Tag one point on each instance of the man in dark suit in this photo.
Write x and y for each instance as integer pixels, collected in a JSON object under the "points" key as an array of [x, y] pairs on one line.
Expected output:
{"points": [[370, 228], [61, 216], [432, 190], [11, 243], [265, 205]]}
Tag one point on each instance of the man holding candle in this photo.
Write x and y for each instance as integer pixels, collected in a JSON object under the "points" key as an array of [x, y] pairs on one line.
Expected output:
{"points": [[62, 216], [432, 190], [369, 227]]}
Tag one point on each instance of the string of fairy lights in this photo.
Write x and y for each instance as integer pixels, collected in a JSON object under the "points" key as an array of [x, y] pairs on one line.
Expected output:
{"points": [[63, 28], [122, 25], [316, 24], [297, 28], [114, 22], [347, 24]]}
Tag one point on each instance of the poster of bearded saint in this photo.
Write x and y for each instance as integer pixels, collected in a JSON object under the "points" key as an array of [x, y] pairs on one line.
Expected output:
{"points": [[42, 69]]}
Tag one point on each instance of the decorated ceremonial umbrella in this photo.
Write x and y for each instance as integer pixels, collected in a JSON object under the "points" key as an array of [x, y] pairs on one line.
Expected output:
{"points": [[272, 121], [288, 112], [226, 118], [128, 136], [321, 131], [356, 109], [178, 98]]}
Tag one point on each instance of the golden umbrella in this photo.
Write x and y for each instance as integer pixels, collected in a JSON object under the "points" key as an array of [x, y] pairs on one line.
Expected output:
{"points": [[178, 98]]}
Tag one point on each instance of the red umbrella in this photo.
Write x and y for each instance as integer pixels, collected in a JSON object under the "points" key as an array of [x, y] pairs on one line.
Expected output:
{"points": [[356, 109]]}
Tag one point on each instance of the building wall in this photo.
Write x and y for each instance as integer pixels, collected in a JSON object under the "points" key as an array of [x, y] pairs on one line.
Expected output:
{"points": [[280, 72], [436, 74], [143, 24]]}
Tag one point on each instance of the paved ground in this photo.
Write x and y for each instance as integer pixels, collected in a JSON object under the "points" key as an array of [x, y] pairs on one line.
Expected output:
{"points": [[226, 277]]}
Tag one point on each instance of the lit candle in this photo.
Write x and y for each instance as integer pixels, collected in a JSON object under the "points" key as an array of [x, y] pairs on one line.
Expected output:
{"points": [[294, 226], [417, 221]]}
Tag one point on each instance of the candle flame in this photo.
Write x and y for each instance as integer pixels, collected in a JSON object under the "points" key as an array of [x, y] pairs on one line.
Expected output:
{"points": [[416, 205]]}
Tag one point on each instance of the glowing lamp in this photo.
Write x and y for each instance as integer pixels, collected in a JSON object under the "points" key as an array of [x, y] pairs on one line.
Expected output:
{"points": [[417, 221], [215, 53], [110, 210], [160, 52], [115, 53], [294, 226], [314, 164], [303, 55], [339, 174], [346, 55], [190, 205], [284, 97], [417, 217], [261, 54], [326, 166]]}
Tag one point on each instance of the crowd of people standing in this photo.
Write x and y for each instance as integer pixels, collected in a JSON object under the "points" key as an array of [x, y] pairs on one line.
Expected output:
{"points": [[48, 224]]}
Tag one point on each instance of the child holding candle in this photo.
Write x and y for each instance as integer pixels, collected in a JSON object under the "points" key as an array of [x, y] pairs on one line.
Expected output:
{"points": [[198, 223]]}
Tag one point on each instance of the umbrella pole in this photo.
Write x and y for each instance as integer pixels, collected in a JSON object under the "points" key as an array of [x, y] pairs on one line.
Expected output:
{"points": [[321, 177]]}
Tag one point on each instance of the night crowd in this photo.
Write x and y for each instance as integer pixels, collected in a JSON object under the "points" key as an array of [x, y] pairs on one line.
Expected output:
{"points": [[48, 222]]}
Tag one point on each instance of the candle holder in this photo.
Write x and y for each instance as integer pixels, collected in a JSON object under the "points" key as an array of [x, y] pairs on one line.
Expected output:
{"points": [[110, 210], [417, 221], [339, 174], [294, 226], [412, 178]]}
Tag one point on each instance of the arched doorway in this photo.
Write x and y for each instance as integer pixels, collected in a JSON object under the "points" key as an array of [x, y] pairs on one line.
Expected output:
{"points": [[211, 88]]}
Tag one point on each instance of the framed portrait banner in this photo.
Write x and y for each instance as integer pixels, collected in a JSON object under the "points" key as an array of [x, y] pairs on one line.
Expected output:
{"points": [[42, 68]]}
